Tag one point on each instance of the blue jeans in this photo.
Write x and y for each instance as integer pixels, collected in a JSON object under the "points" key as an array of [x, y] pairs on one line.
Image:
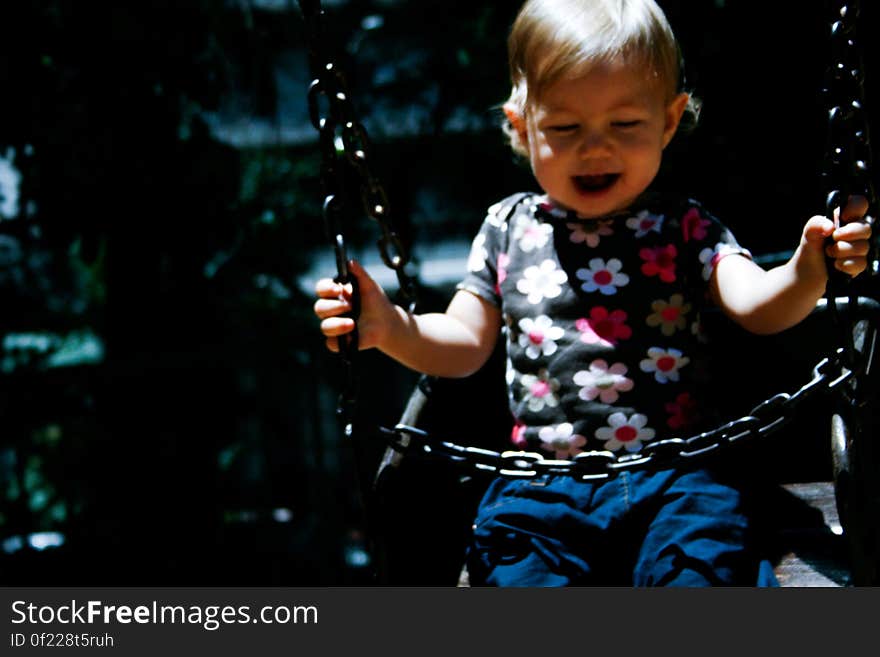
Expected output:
{"points": [[666, 528]]}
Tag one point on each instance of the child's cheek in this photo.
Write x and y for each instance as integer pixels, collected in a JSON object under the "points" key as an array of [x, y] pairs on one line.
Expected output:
{"points": [[545, 150]]}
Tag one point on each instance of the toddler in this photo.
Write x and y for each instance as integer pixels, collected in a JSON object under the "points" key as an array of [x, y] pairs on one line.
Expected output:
{"points": [[596, 284]]}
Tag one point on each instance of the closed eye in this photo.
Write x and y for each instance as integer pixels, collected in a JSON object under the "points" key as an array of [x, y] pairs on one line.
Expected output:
{"points": [[569, 127], [626, 124]]}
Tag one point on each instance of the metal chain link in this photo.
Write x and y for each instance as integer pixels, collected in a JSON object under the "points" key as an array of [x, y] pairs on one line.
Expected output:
{"points": [[848, 151], [764, 419], [345, 146], [350, 140], [848, 157]]}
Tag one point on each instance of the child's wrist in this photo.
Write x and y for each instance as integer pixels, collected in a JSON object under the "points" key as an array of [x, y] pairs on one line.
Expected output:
{"points": [[395, 328], [810, 267]]}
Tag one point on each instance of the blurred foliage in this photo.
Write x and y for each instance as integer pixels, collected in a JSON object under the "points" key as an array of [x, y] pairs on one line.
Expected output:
{"points": [[150, 372]]}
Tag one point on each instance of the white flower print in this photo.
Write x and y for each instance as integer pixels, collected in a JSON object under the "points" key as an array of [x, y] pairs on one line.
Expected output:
{"points": [[538, 336], [539, 391], [664, 363], [602, 276], [477, 259], [589, 232], [626, 432], [561, 440], [541, 282], [707, 258], [603, 381], [493, 217], [530, 233], [645, 222], [711, 257]]}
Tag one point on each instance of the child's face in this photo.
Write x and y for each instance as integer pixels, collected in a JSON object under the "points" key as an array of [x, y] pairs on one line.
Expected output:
{"points": [[595, 142]]}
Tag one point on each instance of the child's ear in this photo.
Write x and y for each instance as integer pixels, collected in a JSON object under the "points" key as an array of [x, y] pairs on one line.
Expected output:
{"points": [[517, 121], [674, 111]]}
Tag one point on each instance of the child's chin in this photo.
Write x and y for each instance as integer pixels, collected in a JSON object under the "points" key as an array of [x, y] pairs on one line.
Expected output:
{"points": [[591, 206]]}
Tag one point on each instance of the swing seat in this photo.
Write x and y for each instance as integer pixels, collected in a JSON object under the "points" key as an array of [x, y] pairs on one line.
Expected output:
{"points": [[817, 477]]}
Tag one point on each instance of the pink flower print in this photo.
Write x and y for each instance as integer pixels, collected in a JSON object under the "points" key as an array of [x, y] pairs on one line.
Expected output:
{"points": [[541, 281], [664, 363], [589, 232], [693, 226], [669, 315], [501, 270], [553, 210], [539, 391], [518, 434], [539, 336], [561, 440], [530, 233], [626, 432], [602, 381], [602, 327], [605, 278], [683, 411], [659, 261], [645, 222]]}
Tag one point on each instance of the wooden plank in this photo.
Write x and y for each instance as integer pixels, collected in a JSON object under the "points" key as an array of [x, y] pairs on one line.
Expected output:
{"points": [[813, 554]]}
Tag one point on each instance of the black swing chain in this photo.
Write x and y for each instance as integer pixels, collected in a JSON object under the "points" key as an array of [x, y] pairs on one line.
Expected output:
{"points": [[345, 145], [848, 172], [767, 417], [848, 166]]}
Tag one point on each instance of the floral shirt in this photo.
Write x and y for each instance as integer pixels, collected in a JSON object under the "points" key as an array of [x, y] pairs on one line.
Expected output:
{"points": [[602, 319]]}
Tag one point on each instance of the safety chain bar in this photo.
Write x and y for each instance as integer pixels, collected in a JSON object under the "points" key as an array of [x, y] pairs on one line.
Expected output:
{"points": [[345, 145], [764, 419], [848, 151]]}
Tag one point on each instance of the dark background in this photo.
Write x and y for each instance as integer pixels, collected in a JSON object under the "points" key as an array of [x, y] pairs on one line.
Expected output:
{"points": [[167, 405]]}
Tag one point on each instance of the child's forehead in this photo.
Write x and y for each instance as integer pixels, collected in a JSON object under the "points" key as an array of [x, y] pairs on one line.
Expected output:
{"points": [[616, 83]]}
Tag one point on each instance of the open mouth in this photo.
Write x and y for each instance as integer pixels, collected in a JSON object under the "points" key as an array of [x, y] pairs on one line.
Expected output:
{"points": [[596, 183]]}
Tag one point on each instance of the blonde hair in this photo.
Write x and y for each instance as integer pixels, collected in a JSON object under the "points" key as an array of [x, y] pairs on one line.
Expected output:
{"points": [[553, 39]]}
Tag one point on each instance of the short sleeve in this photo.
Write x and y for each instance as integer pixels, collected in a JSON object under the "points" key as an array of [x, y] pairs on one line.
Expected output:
{"points": [[707, 240], [486, 261]]}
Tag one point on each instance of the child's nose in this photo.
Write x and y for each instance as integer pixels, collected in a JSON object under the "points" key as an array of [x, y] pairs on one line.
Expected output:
{"points": [[594, 143]]}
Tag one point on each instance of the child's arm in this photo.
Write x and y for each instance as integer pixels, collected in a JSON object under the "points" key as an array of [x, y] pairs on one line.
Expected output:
{"points": [[765, 301], [455, 343]]}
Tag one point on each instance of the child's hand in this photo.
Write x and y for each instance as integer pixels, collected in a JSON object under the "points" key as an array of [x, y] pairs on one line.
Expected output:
{"points": [[334, 299], [849, 241]]}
